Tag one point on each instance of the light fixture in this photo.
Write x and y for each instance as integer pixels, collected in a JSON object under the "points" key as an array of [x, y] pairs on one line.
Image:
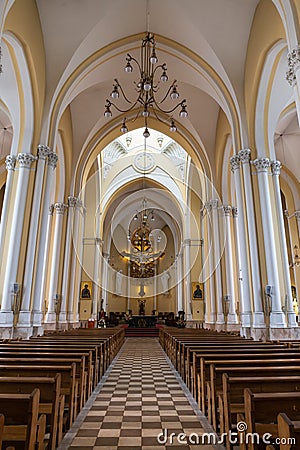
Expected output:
{"points": [[296, 262], [147, 87]]}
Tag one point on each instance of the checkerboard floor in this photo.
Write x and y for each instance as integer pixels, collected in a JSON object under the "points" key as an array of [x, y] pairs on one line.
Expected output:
{"points": [[140, 399]]}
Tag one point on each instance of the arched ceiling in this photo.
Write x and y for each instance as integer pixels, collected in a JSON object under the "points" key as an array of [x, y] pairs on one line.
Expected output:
{"points": [[199, 27], [204, 44]]}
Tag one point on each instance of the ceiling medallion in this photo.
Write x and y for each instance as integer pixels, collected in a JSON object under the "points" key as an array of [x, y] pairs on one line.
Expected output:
{"points": [[144, 162]]}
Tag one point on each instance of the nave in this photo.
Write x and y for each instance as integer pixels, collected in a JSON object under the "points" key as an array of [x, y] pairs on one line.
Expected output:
{"points": [[140, 396]]}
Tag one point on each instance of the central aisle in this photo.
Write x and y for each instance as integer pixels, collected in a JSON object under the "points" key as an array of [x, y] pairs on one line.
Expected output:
{"points": [[139, 398]]}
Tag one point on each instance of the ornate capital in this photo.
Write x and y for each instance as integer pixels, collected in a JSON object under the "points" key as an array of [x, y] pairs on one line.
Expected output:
{"points": [[262, 164], [60, 208], [290, 77], [293, 64], [52, 159], [79, 203], [235, 162], [214, 203], [208, 206], [51, 209], [227, 210], [244, 155], [43, 151], [72, 201], [275, 167], [10, 162], [25, 160], [234, 211], [297, 215]]}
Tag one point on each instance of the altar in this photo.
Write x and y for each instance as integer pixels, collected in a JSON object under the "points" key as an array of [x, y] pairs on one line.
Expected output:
{"points": [[142, 321]]}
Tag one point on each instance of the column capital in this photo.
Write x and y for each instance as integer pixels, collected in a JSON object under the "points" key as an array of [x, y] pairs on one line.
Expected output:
{"points": [[43, 151], [262, 164], [10, 162], [52, 159], [214, 203], [244, 155], [208, 206], [234, 211], [235, 162], [297, 215], [51, 209], [72, 201], [293, 58], [275, 167], [25, 160], [227, 209], [79, 203], [60, 208]]}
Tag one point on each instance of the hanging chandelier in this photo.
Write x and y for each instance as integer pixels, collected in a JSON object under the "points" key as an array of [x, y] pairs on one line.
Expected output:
{"points": [[147, 88], [142, 255]]}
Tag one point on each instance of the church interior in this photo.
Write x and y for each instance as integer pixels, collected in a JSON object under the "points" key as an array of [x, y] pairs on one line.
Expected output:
{"points": [[150, 208]]}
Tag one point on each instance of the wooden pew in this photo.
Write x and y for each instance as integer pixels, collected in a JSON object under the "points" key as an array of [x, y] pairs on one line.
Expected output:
{"points": [[262, 409], [288, 432], [214, 383], [30, 351], [22, 420], [51, 401], [231, 400], [46, 361], [221, 351], [69, 385]]}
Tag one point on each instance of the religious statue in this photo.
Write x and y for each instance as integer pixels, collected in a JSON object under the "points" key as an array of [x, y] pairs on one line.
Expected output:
{"points": [[142, 307]]}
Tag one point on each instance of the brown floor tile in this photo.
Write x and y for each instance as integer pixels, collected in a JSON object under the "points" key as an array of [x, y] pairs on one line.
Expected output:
{"points": [[139, 400]]}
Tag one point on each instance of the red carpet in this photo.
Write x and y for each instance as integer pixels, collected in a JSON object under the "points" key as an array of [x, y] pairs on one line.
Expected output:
{"points": [[141, 332]]}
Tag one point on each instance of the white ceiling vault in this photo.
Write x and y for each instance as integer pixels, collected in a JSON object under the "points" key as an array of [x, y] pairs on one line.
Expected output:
{"points": [[217, 31], [207, 27]]}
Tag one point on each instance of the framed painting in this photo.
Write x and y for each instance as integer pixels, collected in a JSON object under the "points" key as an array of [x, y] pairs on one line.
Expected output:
{"points": [[197, 290], [86, 290]]}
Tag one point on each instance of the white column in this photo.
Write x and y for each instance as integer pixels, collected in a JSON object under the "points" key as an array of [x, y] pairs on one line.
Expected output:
{"points": [[288, 301], [217, 259], [74, 246], [79, 261], [25, 160], [105, 259], [210, 310], [25, 313], [67, 262], [10, 162], [297, 215], [59, 209], [277, 319], [98, 244], [42, 255], [187, 278], [179, 282], [238, 256], [232, 317], [258, 313], [245, 299]]}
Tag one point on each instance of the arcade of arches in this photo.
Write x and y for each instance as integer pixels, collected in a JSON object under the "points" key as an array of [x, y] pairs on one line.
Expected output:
{"points": [[93, 218]]}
